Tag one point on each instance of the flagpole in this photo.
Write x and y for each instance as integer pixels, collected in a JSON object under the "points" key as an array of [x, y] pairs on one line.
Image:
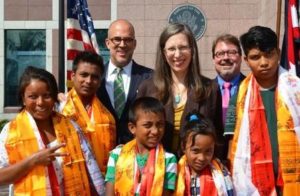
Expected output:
{"points": [[278, 19], [61, 47]]}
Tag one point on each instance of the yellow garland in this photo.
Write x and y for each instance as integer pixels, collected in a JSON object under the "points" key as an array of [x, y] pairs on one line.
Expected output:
{"points": [[21, 143], [180, 183], [101, 133], [125, 171]]}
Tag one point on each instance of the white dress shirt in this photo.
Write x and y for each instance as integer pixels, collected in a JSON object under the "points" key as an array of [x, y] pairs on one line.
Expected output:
{"points": [[111, 76]]}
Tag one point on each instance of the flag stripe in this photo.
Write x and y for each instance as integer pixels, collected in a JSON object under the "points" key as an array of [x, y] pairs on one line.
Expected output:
{"points": [[291, 42], [72, 54], [80, 31]]}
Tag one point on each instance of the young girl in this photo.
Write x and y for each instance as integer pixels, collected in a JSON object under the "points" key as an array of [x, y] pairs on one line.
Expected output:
{"points": [[199, 173]]}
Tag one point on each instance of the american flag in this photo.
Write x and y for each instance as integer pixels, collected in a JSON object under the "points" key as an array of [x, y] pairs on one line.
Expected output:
{"points": [[290, 58], [80, 32]]}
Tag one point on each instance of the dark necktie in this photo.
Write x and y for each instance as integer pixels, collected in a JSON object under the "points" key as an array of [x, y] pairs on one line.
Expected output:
{"points": [[119, 93]]}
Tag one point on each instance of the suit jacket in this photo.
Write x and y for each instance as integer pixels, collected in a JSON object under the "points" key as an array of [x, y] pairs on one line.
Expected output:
{"points": [[138, 74], [227, 138], [211, 107]]}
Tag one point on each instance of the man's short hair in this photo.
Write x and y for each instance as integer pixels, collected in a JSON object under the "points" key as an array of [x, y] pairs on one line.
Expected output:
{"points": [[88, 57], [229, 39]]}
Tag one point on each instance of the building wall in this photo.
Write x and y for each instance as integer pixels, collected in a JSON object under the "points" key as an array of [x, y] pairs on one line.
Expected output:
{"points": [[223, 16], [149, 17]]}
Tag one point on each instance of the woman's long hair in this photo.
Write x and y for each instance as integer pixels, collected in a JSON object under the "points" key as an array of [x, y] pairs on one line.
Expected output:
{"points": [[162, 76]]}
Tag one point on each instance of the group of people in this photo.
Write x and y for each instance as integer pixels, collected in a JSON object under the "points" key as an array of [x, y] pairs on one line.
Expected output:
{"points": [[124, 129]]}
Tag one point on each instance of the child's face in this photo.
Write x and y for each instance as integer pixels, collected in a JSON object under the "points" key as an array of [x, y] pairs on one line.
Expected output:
{"points": [[148, 129], [263, 65], [201, 153]]}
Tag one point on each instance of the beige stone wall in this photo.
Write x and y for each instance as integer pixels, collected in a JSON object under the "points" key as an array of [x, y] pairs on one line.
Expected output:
{"points": [[150, 16], [223, 16], [28, 10]]}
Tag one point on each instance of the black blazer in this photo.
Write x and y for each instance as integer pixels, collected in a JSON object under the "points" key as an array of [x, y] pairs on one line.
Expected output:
{"points": [[227, 138], [211, 107], [138, 74]]}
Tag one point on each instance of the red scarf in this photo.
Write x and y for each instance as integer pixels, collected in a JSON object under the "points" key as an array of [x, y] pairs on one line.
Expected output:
{"points": [[51, 171], [147, 175], [261, 151], [207, 185]]}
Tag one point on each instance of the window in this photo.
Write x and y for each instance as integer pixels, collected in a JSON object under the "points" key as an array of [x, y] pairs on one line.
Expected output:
{"points": [[101, 35], [22, 48]]}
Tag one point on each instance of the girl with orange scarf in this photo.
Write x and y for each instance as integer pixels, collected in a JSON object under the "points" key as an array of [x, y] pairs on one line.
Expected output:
{"points": [[43, 152], [199, 173], [142, 167]]}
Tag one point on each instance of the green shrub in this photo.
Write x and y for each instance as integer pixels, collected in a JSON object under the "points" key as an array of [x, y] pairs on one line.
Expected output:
{"points": [[2, 123]]}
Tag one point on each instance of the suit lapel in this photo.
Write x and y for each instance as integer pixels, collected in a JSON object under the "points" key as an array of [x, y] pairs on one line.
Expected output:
{"points": [[103, 95], [134, 82]]}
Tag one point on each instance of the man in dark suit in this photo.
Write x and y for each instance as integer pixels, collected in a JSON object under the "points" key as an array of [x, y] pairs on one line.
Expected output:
{"points": [[227, 58], [124, 72]]}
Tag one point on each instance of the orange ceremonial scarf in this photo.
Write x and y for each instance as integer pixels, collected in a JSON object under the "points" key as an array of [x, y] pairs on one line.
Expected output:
{"points": [[99, 127], [152, 179], [212, 180], [252, 169], [22, 143]]}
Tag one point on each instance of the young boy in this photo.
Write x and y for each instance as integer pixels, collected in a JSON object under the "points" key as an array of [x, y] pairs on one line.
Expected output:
{"points": [[265, 148], [142, 167]]}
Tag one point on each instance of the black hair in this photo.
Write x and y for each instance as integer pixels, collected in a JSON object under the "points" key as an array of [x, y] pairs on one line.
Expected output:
{"points": [[146, 104], [34, 73], [196, 124], [262, 38], [89, 57]]}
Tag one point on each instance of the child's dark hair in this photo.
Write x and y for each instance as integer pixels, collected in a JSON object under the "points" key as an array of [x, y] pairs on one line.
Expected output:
{"points": [[263, 38], [146, 104], [34, 73], [196, 124], [88, 57]]}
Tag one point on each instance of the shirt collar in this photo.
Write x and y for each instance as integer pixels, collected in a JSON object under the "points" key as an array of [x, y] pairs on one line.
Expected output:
{"points": [[233, 82], [126, 69]]}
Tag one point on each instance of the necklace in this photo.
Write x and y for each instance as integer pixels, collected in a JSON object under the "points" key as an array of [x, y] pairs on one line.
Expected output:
{"points": [[177, 98], [179, 94]]}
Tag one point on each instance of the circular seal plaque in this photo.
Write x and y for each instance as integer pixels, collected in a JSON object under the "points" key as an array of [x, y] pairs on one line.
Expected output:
{"points": [[190, 15]]}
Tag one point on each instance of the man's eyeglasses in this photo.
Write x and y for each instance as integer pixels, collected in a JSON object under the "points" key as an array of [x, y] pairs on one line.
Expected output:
{"points": [[118, 40], [230, 53], [181, 49]]}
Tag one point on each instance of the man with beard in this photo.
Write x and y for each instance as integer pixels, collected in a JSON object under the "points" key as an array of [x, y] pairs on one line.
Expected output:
{"points": [[122, 76], [227, 57]]}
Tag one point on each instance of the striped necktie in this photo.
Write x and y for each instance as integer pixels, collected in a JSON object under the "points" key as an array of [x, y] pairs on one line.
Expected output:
{"points": [[119, 93]]}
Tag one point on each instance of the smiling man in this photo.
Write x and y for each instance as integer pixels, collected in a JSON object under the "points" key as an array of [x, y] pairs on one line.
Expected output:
{"points": [[84, 107], [122, 76], [227, 58]]}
